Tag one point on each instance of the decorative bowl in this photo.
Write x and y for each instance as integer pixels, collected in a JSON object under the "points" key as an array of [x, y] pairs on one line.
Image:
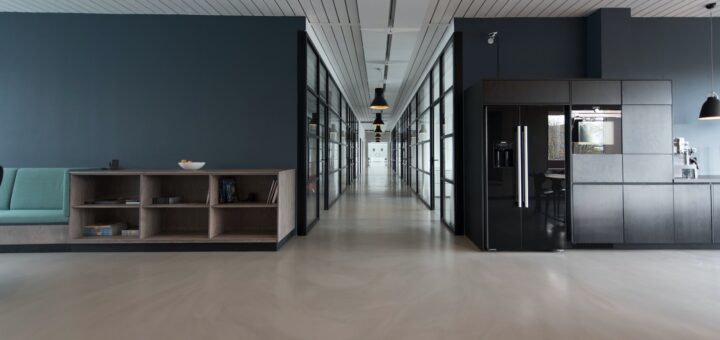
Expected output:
{"points": [[192, 165]]}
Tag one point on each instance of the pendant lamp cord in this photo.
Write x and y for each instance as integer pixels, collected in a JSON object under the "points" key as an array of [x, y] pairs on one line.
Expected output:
{"points": [[710, 7]]}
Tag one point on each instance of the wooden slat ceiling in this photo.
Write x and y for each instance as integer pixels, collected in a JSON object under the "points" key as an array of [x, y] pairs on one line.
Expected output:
{"points": [[335, 27], [437, 26]]}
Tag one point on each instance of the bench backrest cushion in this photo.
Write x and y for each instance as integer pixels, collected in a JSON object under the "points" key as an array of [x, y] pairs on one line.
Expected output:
{"points": [[40, 189], [6, 187]]}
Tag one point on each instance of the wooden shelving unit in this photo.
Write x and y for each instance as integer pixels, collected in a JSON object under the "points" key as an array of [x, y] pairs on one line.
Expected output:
{"points": [[199, 218]]}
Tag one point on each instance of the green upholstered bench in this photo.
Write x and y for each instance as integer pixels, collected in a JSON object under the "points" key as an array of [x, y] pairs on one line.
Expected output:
{"points": [[34, 205]]}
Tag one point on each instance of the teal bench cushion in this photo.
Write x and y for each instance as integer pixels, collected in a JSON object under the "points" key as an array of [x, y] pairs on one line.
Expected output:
{"points": [[6, 187], [56, 216], [39, 189]]}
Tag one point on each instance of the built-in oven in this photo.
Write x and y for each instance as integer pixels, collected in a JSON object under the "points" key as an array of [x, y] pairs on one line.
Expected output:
{"points": [[596, 129]]}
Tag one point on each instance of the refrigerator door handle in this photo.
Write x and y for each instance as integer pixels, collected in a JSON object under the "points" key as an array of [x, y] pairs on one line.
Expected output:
{"points": [[518, 166], [525, 167]]}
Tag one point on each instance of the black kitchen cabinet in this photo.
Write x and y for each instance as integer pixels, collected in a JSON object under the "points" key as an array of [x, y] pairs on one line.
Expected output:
{"points": [[502, 92], [597, 214], [601, 168], [647, 129], [644, 92], [649, 213], [647, 168], [716, 212], [693, 213], [596, 92]]}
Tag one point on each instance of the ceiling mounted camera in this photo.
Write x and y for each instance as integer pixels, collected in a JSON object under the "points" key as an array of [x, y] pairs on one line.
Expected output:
{"points": [[491, 37]]}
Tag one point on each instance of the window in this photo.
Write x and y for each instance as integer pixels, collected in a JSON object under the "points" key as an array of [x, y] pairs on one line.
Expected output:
{"points": [[556, 137]]}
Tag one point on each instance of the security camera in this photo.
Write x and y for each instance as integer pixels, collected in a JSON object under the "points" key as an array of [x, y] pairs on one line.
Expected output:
{"points": [[491, 37]]}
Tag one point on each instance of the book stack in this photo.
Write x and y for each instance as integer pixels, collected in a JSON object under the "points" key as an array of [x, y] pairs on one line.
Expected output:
{"points": [[274, 193], [111, 229]]}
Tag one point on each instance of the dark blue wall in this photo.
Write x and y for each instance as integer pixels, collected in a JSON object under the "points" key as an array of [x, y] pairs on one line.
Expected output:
{"points": [[79, 90], [679, 49]]}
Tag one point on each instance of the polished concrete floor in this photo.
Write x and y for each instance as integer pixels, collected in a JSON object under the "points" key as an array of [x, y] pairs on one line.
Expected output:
{"points": [[378, 266]]}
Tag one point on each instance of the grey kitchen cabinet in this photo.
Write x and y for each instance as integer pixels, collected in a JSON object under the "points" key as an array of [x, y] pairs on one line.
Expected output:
{"points": [[648, 168], [596, 92], [589, 168], [647, 129], [716, 212], [497, 92], [648, 211], [597, 214], [693, 213], [647, 92]]}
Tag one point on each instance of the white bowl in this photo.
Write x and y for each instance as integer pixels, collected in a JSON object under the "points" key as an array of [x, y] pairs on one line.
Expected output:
{"points": [[192, 165]]}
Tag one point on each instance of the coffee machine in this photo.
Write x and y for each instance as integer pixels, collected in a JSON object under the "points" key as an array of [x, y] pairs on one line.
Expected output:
{"points": [[685, 163]]}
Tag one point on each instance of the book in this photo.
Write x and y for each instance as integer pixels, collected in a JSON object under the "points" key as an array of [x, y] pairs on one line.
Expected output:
{"points": [[103, 229], [273, 186]]}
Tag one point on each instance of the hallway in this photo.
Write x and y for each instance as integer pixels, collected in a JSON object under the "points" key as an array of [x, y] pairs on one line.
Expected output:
{"points": [[377, 266]]}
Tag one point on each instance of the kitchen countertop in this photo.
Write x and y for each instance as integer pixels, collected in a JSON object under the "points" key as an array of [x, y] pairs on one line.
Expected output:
{"points": [[700, 179]]}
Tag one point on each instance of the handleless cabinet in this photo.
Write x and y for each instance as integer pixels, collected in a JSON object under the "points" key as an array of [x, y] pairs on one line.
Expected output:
{"points": [[597, 214], [647, 129], [693, 211], [597, 168], [649, 213], [596, 92], [648, 168], [716, 212], [500, 92], [647, 92]]}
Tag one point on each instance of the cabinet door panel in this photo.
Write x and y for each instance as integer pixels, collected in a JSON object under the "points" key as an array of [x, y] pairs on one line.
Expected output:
{"points": [[526, 92], [597, 168], [648, 214], [693, 213], [647, 92], [597, 214], [647, 129], [596, 92], [648, 168], [716, 212]]}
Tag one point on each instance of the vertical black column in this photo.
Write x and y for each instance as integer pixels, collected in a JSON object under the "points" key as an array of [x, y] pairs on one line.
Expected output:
{"points": [[609, 43], [301, 175]]}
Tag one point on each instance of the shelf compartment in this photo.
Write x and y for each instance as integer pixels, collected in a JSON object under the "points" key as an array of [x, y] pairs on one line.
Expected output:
{"points": [[248, 238], [174, 223], [177, 206], [92, 188], [81, 217], [107, 206], [244, 205], [245, 185], [239, 223], [192, 189]]}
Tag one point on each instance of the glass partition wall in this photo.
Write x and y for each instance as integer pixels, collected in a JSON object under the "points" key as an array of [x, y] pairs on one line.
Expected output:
{"points": [[330, 140], [424, 138]]}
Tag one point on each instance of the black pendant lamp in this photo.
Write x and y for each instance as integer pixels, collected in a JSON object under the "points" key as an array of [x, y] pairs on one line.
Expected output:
{"points": [[711, 108], [379, 103], [378, 129], [378, 119]]}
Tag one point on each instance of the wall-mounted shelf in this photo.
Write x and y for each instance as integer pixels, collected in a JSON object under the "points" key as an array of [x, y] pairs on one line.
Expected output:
{"points": [[200, 218]]}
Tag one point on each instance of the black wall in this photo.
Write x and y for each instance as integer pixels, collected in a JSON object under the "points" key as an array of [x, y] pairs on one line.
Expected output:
{"points": [[78, 90], [608, 44]]}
